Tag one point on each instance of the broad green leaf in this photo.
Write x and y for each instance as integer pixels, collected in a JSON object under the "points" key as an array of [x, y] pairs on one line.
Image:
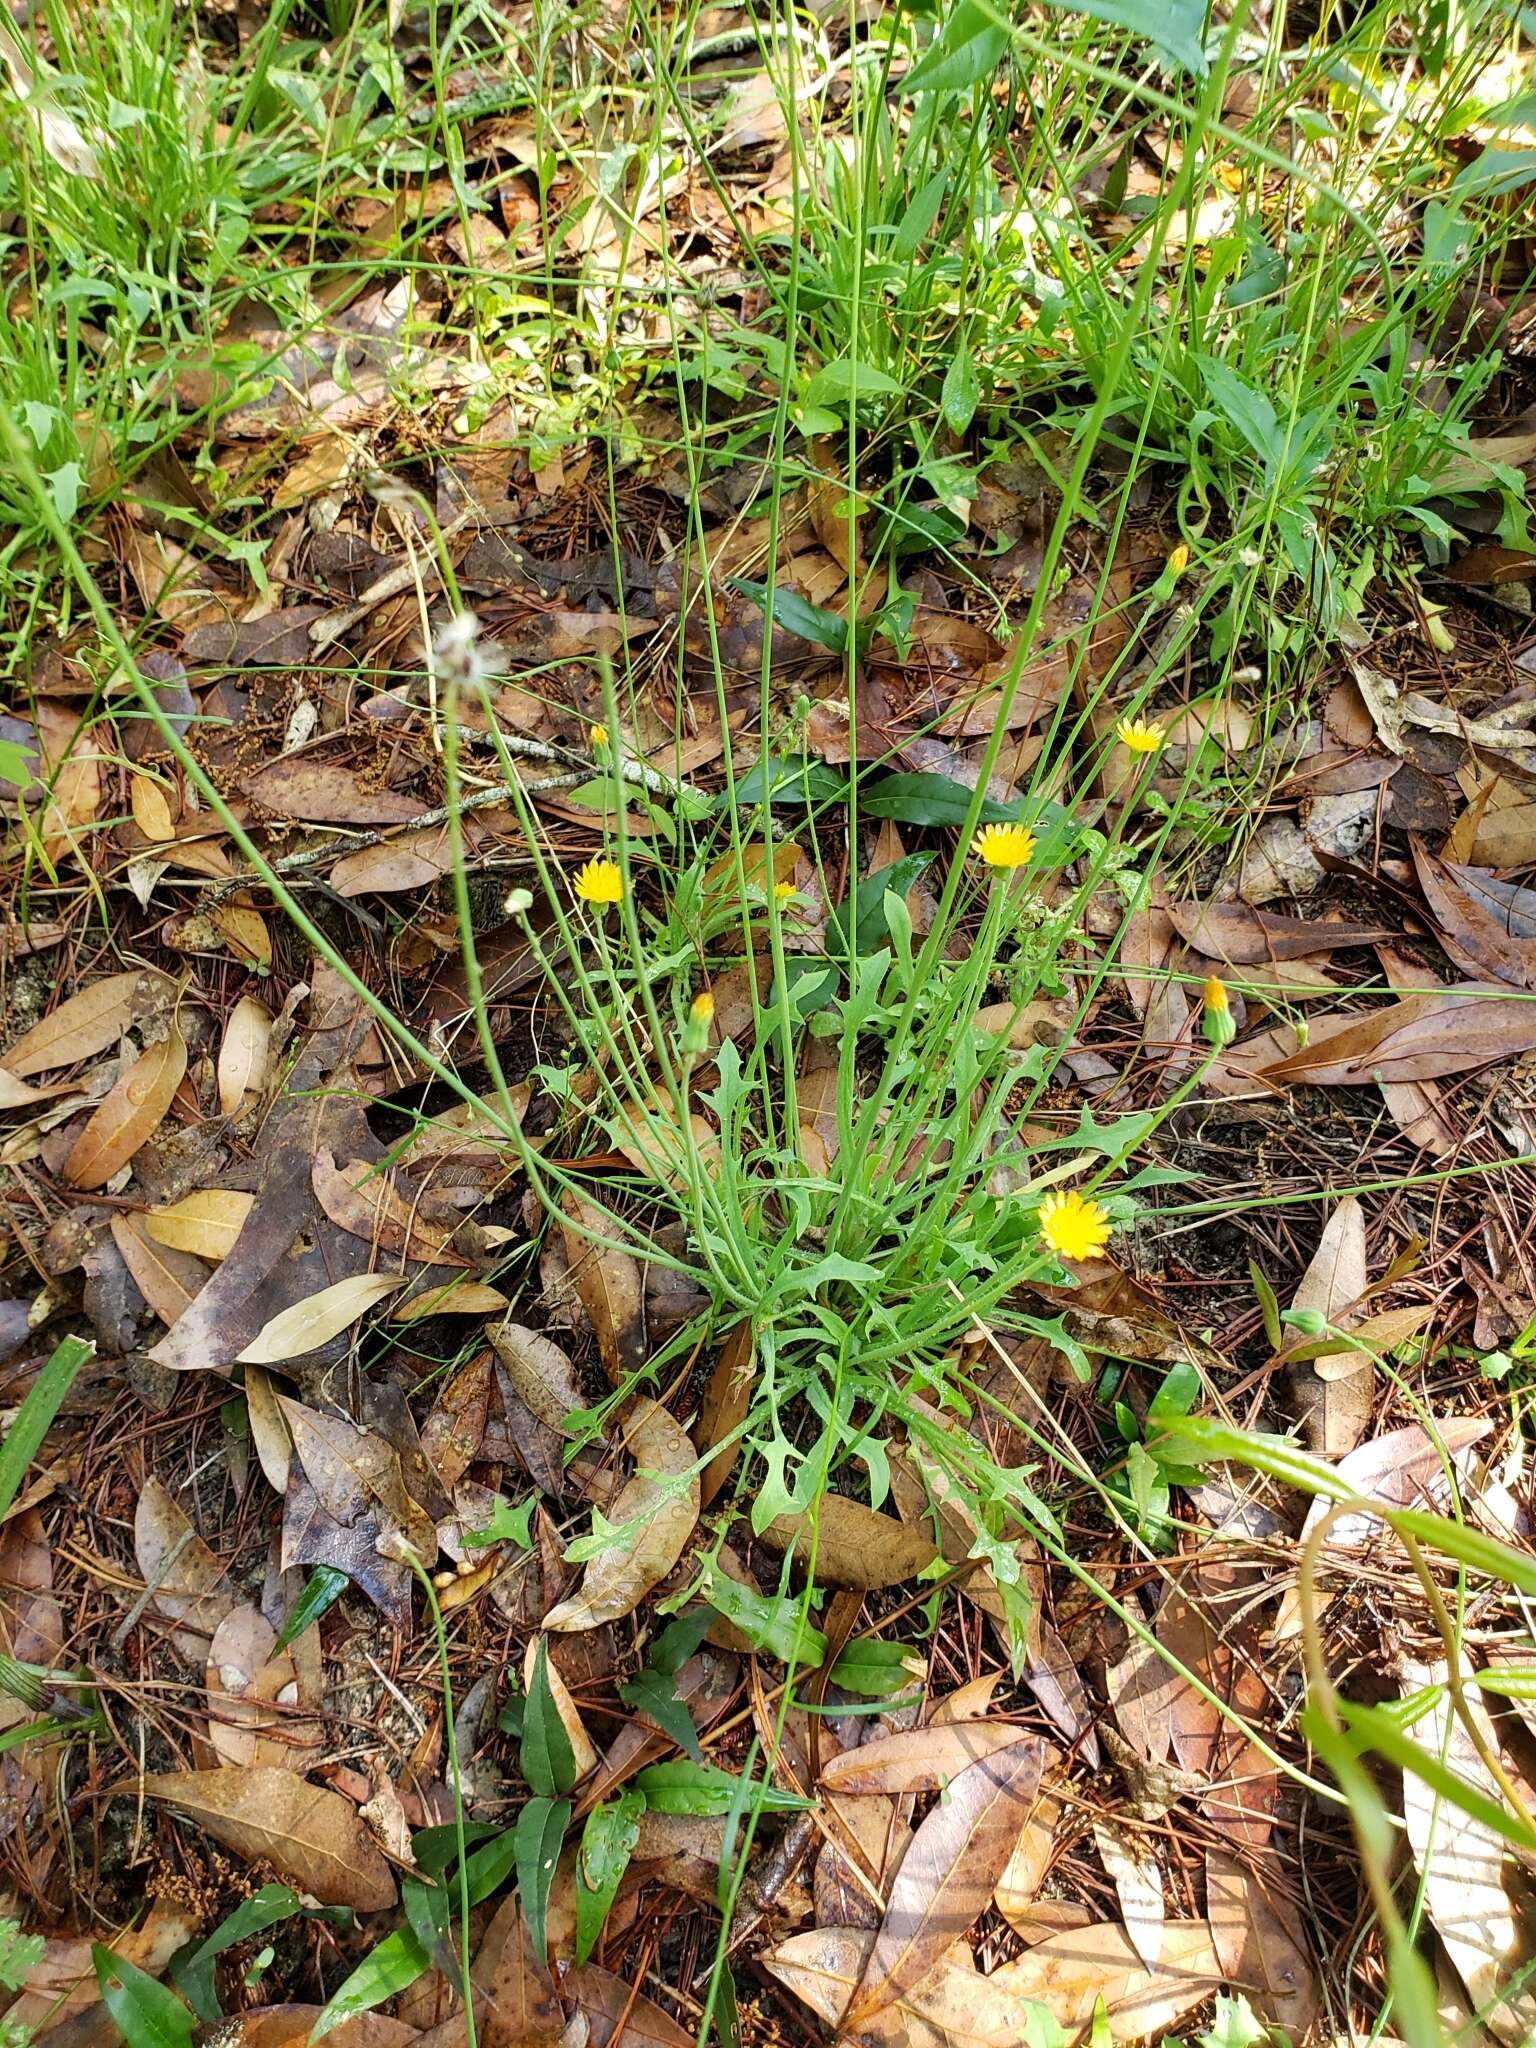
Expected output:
{"points": [[144, 2012], [796, 614], [392, 1967], [878, 1671], [871, 922], [322, 1589], [509, 1523], [928, 799], [961, 392], [655, 1693], [16, 764], [1383, 1733], [548, 1763], [1176, 27], [607, 1843], [540, 1830], [1245, 408], [775, 779], [193, 1974], [922, 211], [679, 1639], [844, 380], [771, 1623], [969, 49], [703, 1789]]}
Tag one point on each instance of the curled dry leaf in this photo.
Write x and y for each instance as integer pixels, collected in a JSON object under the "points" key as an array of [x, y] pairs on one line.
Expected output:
{"points": [[542, 1377], [269, 1431], [169, 1281], [724, 1407], [83, 1024], [244, 1054], [365, 1200], [1461, 1859], [190, 1586], [919, 1759], [205, 1223], [1071, 1972], [313, 1836], [953, 2007], [1336, 1409], [1417, 1039], [852, 1544], [1259, 1942], [1131, 1863], [619, 1577], [128, 1114], [309, 1324], [609, 1286], [617, 2015], [948, 1874]]}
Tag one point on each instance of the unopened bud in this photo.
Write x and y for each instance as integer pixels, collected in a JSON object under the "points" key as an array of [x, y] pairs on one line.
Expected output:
{"points": [[1220, 1024], [701, 1014]]}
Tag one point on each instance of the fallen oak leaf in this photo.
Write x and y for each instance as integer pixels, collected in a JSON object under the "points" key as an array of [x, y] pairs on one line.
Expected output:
{"points": [[205, 1223], [609, 1285], [1335, 1408], [84, 1024], [1417, 1038], [128, 1115], [1071, 1972], [309, 1324], [953, 2005], [1241, 936], [665, 1507], [919, 1759], [949, 1872], [542, 1377], [244, 1054], [366, 1201], [311, 1835], [853, 1546]]}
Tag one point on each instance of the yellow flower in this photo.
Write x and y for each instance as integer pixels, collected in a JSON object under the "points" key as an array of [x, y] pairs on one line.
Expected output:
{"points": [[1004, 846], [599, 882], [1178, 560], [1140, 736], [598, 736], [1076, 1228], [702, 1008], [701, 1012], [1220, 1024], [782, 891]]}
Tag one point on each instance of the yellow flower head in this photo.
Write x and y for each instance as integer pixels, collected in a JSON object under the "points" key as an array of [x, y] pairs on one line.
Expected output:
{"points": [[1076, 1228], [598, 736], [599, 882], [782, 891], [1004, 846], [1178, 560], [1139, 735], [1220, 1024], [702, 1007]]}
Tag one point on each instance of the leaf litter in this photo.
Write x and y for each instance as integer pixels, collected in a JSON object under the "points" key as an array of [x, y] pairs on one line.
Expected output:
{"points": [[340, 1346]]}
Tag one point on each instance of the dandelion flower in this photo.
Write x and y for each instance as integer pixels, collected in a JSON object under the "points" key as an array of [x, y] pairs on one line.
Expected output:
{"points": [[598, 737], [1139, 735], [1073, 1226], [782, 891], [600, 883], [702, 1008], [1004, 846], [1220, 1024]]}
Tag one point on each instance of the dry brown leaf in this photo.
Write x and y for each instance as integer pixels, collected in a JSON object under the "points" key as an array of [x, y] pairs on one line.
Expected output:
{"points": [[542, 1377], [244, 1054], [290, 2026], [128, 1114], [1461, 1859], [169, 1281], [1071, 1972], [269, 1431], [313, 1836], [205, 1223], [953, 2007], [365, 1200], [1239, 936], [618, 1578], [948, 1874], [521, 2007], [191, 1587], [617, 2015], [250, 1682], [918, 1759], [724, 1407], [63, 1982], [458, 1298], [1131, 1863], [609, 1286], [1335, 1410], [1258, 1941], [1416, 1039], [325, 793], [853, 1545], [356, 1475], [309, 1324], [1481, 937], [1024, 1872]]}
